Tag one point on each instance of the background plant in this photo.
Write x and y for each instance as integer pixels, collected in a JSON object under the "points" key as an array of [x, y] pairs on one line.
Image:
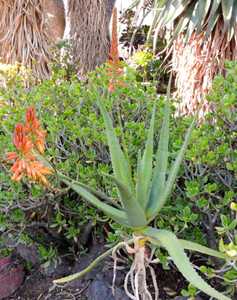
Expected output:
{"points": [[202, 36], [66, 108], [139, 204]]}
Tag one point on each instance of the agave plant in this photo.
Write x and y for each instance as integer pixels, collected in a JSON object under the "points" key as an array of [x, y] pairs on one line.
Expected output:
{"points": [[203, 36], [140, 202]]}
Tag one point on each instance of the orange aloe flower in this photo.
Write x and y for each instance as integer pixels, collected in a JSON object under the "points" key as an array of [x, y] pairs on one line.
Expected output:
{"points": [[34, 130], [115, 69], [24, 161], [114, 53]]}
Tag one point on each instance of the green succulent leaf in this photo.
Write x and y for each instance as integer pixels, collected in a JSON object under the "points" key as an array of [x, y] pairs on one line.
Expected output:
{"points": [[201, 249], [174, 170], [135, 213], [160, 171], [120, 164], [175, 249], [97, 193], [116, 214], [144, 173]]}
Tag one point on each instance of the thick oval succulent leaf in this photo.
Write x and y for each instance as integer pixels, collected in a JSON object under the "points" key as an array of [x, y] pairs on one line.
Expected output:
{"points": [[170, 242]]}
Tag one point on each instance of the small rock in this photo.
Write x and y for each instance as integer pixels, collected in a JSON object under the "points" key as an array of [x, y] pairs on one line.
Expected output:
{"points": [[11, 277], [28, 253], [56, 268], [83, 262], [101, 290]]}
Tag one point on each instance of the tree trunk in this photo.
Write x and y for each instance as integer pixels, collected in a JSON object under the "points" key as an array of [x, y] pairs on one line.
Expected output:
{"points": [[89, 32], [27, 34], [54, 19]]}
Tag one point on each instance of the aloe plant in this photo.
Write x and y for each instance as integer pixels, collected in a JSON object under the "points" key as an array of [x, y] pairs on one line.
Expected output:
{"points": [[141, 201]]}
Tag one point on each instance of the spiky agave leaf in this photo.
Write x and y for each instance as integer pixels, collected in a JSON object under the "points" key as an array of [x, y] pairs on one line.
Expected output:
{"points": [[135, 212], [120, 163], [204, 36]]}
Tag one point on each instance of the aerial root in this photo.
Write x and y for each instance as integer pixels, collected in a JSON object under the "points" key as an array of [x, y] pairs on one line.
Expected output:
{"points": [[135, 283]]}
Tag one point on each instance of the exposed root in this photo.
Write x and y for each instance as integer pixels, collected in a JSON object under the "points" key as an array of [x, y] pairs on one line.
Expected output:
{"points": [[135, 283]]}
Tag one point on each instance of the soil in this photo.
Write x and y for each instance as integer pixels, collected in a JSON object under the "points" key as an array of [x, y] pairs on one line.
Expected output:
{"points": [[95, 286]]}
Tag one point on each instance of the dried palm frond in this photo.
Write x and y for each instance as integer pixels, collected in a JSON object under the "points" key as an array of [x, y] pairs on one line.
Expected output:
{"points": [[204, 35], [23, 35], [196, 63]]}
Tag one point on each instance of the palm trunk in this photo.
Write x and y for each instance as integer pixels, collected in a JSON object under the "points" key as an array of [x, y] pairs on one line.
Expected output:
{"points": [[89, 32], [25, 36]]}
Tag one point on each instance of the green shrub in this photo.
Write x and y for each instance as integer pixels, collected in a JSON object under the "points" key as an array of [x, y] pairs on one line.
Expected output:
{"points": [[208, 184], [199, 209], [76, 144]]}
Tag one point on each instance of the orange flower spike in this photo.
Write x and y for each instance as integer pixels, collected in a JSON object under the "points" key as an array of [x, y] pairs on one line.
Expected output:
{"points": [[18, 170], [114, 53], [20, 140], [38, 172], [11, 156], [34, 129], [24, 139]]}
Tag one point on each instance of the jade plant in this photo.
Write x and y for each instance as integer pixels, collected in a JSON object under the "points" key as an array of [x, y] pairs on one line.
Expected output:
{"points": [[140, 200]]}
